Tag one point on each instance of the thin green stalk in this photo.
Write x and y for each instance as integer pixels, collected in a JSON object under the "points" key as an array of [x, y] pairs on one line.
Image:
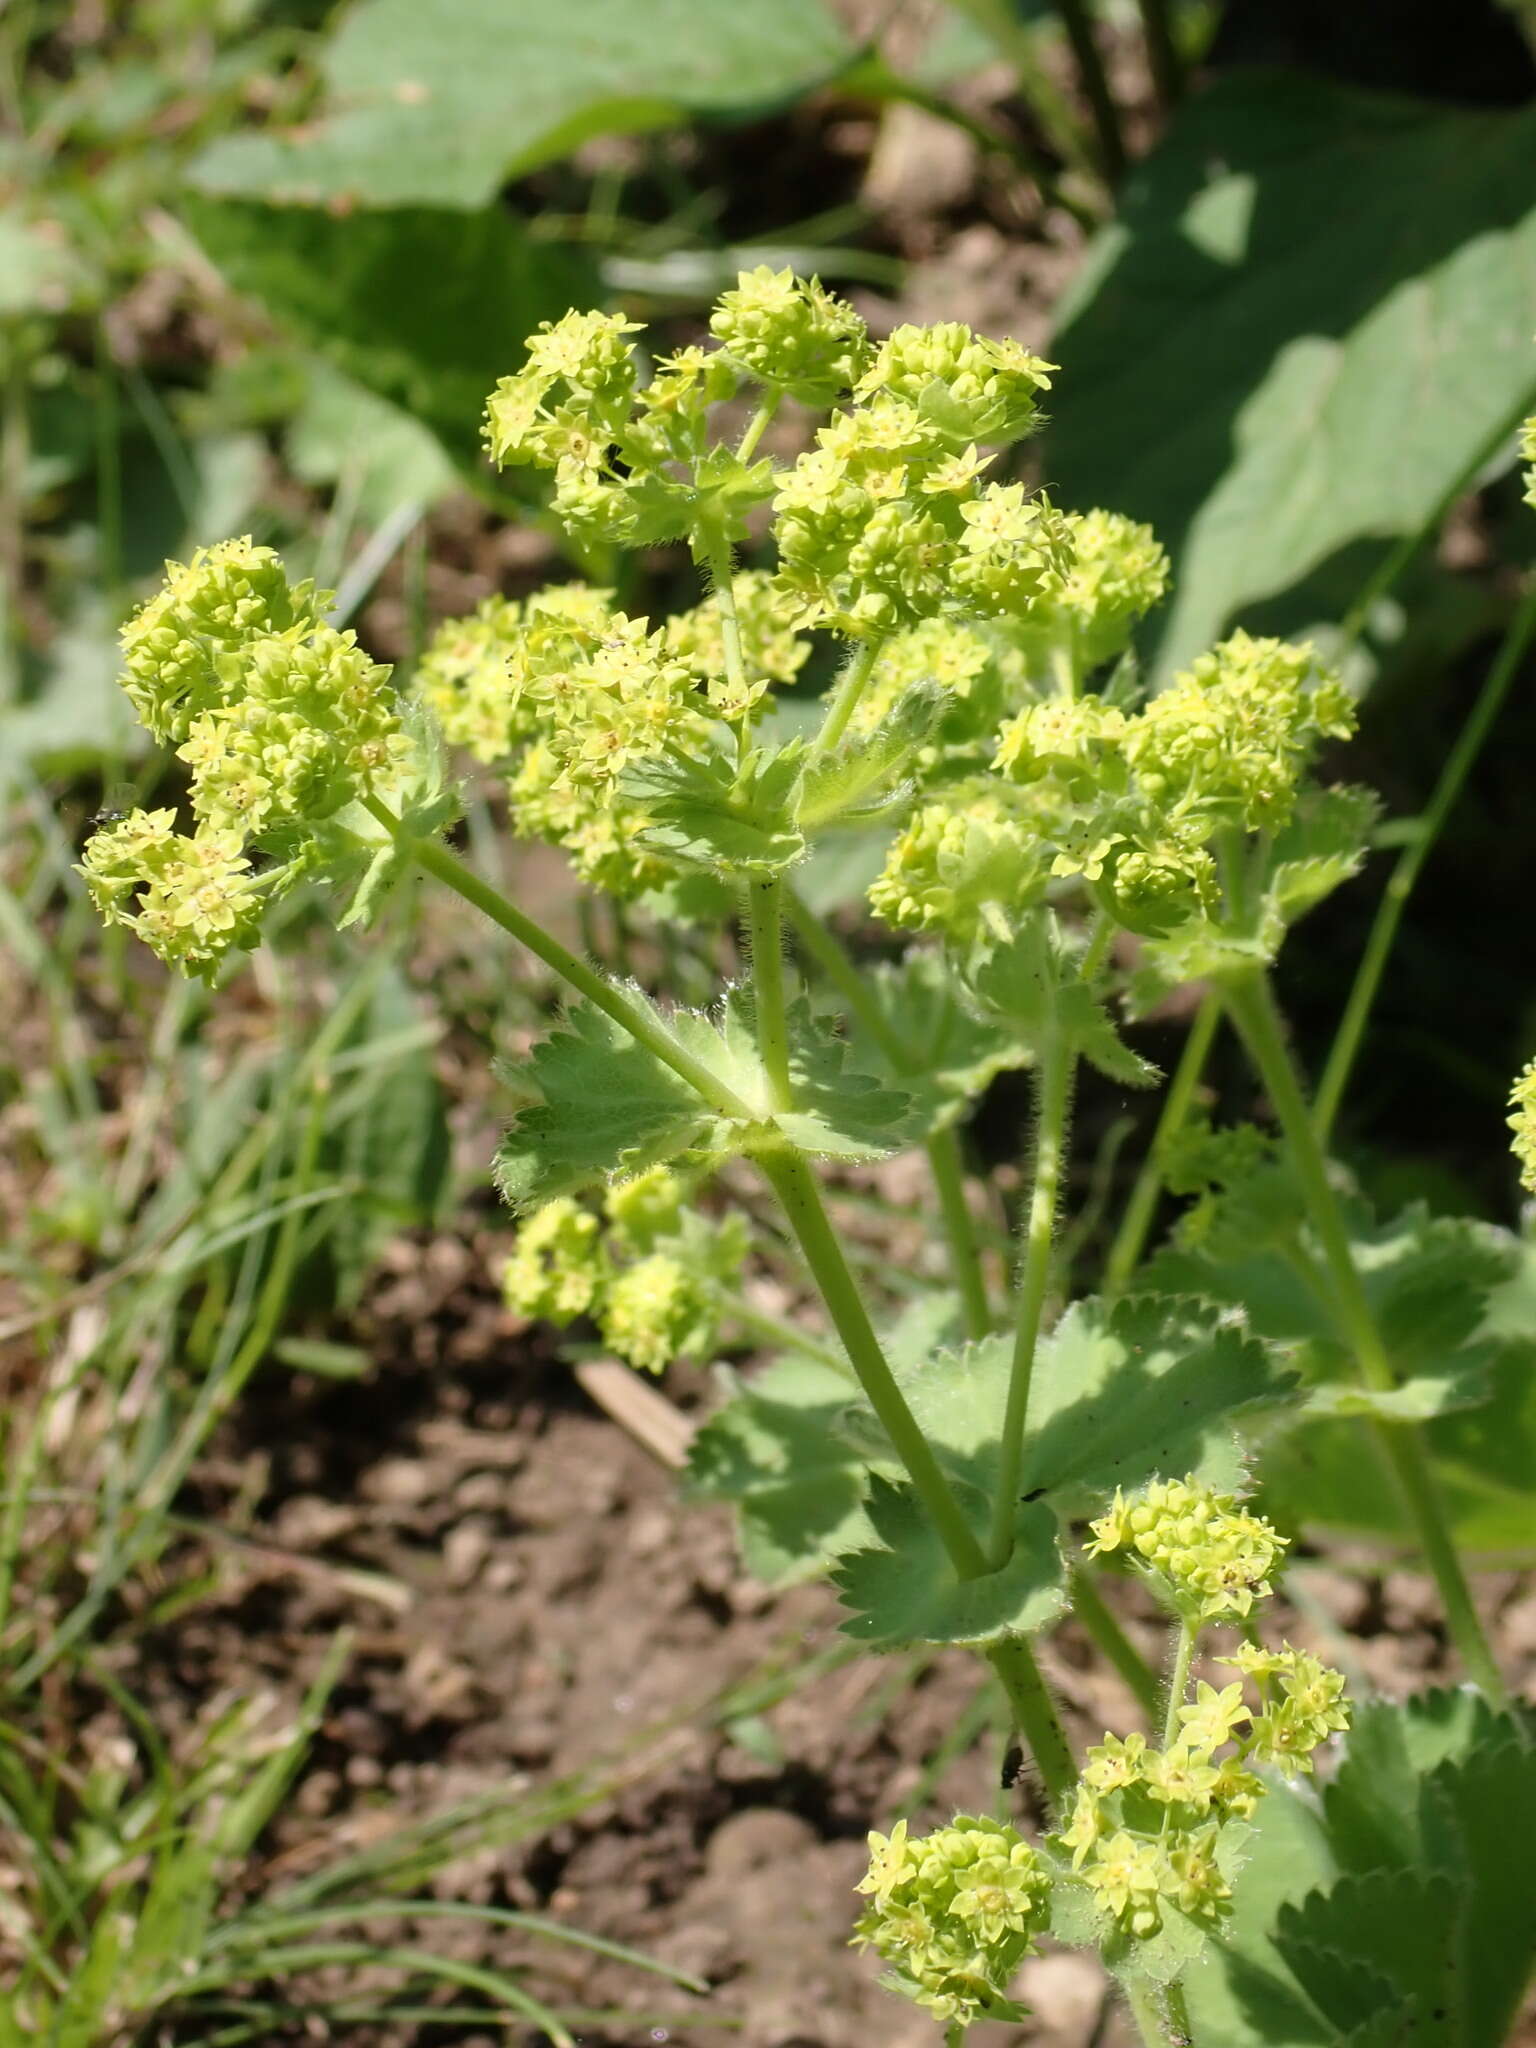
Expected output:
{"points": [[1077, 20], [1163, 59], [1400, 886], [1093, 1611], [1053, 1097], [1178, 1683], [790, 1175], [1177, 2011], [1251, 1003], [845, 699], [757, 425], [1130, 1239], [943, 1147], [1034, 1712], [765, 920], [642, 1027], [948, 1170]]}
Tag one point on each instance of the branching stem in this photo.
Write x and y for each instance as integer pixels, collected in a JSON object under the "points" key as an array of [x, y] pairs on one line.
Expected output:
{"points": [[1178, 1682], [845, 699], [1131, 1238], [446, 867], [765, 919], [1251, 1004], [943, 1147], [795, 1184], [1053, 1096]]}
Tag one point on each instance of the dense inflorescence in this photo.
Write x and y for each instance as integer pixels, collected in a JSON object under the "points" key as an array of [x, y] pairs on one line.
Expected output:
{"points": [[954, 1913], [282, 721], [654, 1280], [1208, 1557]]}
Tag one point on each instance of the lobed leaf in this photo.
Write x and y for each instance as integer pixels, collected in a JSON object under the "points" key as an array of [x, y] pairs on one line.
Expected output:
{"points": [[1455, 1300], [904, 1589], [706, 814]]}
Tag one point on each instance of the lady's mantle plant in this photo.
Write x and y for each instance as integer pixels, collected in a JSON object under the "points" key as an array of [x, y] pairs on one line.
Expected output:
{"points": [[1058, 848]]}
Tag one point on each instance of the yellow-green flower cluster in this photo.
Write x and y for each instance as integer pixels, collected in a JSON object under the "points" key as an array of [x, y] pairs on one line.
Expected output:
{"points": [[1528, 457], [1127, 801], [651, 1282], [960, 858], [558, 1268], [1118, 573], [1210, 1558], [791, 334], [940, 650], [189, 897], [1228, 740], [282, 721], [975, 389], [771, 650], [1303, 1705], [1145, 1827], [465, 675], [568, 692], [1522, 1100], [882, 524], [954, 1913]]}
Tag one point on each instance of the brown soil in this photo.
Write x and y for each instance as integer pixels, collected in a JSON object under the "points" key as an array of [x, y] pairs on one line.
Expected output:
{"points": [[553, 1615]]}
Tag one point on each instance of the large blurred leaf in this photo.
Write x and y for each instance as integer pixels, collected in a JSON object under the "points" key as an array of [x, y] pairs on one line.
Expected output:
{"points": [[440, 104], [425, 307], [1316, 308]]}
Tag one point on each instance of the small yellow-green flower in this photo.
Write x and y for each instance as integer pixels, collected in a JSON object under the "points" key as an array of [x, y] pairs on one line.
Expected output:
{"points": [[1522, 1100]]}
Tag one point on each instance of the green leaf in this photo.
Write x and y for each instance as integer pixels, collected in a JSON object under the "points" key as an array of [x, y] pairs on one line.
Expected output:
{"points": [[1456, 1303], [1141, 1389], [793, 1450], [1321, 848], [1428, 1902], [1335, 368], [948, 1053], [840, 784], [705, 813], [605, 1106], [840, 1111], [775, 1453], [426, 309], [1031, 984], [442, 105], [345, 437], [906, 1591]]}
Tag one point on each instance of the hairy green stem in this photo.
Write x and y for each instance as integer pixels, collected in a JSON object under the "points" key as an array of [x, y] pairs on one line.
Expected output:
{"points": [[1054, 1068], [756, 426], [793, 1181], [948, 1171], [1178, 1682], [943, 1147], [1400, 886], [1251, 1004], [845, 698], [1035, 1715], [1093, 1611], [444, 866], [1131, 1238], [765, 921]]}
